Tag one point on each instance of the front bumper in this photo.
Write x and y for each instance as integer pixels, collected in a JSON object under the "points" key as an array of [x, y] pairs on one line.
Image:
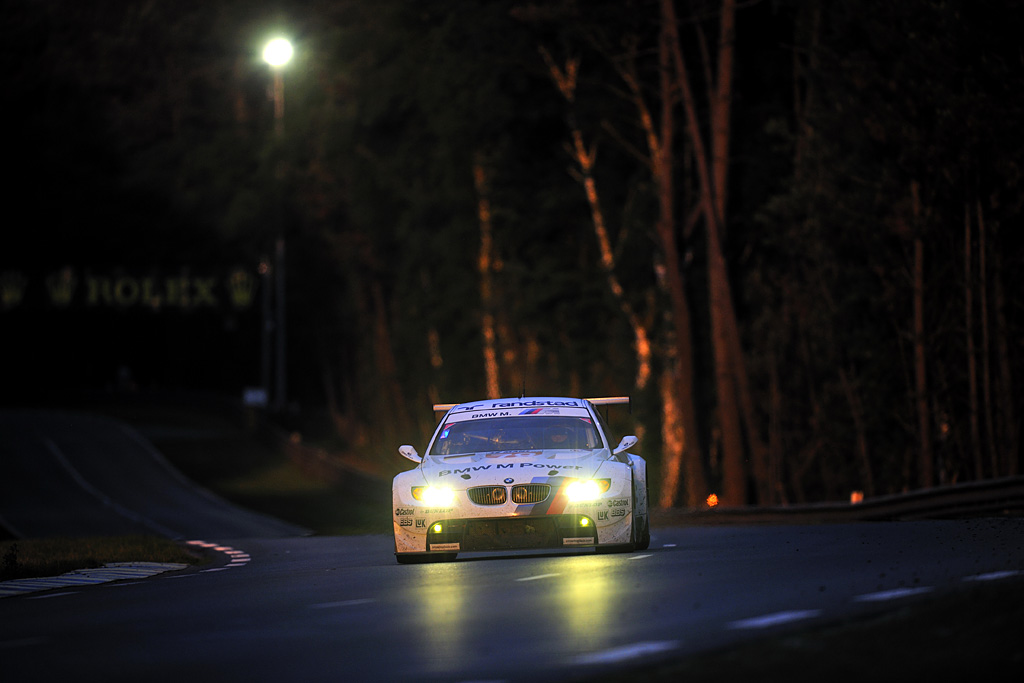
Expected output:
{"points": [[467, 534], [511, 533]]}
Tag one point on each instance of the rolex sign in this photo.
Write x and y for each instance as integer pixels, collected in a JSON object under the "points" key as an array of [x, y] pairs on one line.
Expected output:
{"points": [[183, 290]]}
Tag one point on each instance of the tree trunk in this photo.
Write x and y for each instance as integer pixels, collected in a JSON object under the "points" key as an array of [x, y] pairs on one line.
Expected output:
{"points": [[713, 176], [680, 413], [925, 461], [1009, 426], [972, 359], [857, 414], [733, 472], [721, 111], [986, 369], [565, 81], [384, 353], [484, 267]]}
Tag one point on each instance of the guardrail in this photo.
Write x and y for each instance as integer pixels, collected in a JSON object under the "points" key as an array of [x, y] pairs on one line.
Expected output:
{"points": [[995, 498]]}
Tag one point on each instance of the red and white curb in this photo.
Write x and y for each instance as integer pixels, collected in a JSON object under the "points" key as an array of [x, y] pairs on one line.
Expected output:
{"points": [[238, 558]]}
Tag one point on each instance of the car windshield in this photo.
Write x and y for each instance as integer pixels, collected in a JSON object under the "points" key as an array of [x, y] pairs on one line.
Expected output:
{"points": [[515, 434]]}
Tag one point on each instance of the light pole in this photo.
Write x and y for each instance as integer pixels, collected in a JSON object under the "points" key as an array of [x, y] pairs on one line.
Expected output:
{"points": [[277, 53]]}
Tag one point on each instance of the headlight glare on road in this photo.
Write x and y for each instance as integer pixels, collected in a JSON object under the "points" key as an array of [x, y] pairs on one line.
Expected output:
{"points": [[434, 495], [586, 489]]}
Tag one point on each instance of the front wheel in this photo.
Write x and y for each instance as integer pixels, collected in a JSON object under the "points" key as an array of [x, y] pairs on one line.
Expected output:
{"points": [[643, 538]]}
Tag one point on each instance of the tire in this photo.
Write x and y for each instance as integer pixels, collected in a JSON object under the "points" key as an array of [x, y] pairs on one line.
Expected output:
{"points": [[645, 535], [644, 538]]}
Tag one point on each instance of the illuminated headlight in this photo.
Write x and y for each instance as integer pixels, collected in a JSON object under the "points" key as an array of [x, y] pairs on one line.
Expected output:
{"points": [[434, 495], [587, 489]]}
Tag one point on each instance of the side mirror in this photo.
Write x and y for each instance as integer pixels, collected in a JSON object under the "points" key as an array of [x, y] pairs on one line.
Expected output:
{"points": [[410, 453], [626, 443]]}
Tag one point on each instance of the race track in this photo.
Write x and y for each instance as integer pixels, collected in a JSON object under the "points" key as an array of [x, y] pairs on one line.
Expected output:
{"points": [[340, 608]]}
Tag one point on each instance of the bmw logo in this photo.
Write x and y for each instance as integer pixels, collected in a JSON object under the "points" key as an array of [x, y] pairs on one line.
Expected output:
{"points": [[509, 480]]}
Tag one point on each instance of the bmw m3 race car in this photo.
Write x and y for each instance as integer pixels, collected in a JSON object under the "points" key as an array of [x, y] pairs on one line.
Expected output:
{"points": [[521, 473]]}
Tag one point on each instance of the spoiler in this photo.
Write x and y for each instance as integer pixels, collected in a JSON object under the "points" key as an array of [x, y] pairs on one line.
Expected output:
{"points": [[603, 401]]}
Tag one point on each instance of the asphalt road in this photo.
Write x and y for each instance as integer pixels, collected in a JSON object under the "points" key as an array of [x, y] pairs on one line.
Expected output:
{"points": [[312, 609], [275, 607], [75, 474]]}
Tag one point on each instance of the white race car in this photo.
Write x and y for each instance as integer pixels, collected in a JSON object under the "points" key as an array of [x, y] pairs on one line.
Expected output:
{"points": [[521, 473]]}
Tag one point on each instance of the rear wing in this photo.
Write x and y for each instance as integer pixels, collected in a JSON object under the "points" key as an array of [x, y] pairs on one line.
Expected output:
{"points": [[603, 401]]}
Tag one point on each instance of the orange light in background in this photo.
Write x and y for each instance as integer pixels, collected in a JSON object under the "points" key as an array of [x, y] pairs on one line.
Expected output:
{"points": [[712, 500], [856, 496]]}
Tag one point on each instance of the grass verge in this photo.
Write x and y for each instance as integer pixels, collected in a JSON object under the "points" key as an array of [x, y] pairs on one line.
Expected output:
{"points": [[27, 558]]}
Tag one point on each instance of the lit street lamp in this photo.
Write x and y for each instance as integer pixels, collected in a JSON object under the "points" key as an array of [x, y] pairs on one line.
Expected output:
{"points": [[277, 53]]}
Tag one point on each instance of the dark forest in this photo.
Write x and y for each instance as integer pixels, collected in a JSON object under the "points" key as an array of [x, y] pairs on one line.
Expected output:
{"points": [[788, 229]]}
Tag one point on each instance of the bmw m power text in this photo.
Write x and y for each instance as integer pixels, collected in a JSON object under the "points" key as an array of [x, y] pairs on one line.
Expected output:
{"points": [[521, 473]]}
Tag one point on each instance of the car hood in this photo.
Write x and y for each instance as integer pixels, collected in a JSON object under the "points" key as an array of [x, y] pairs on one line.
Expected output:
{"points": [[473, 469]]}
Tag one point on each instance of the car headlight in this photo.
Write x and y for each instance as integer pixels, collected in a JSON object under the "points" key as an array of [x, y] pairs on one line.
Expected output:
{"points": [[586, 489], [434, 495]]}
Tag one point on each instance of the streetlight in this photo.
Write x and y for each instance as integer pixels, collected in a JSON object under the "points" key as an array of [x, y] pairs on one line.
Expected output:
{"points": [[277, 53]]}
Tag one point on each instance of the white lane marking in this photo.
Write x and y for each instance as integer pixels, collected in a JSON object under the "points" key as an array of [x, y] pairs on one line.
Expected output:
{"points": [[669, 545], [895, 594], [343, 603], [102, 497], [775, 619], [538, 576], [51, 595], [22, 642], [639, 557], [994, 576], [628, 652]]}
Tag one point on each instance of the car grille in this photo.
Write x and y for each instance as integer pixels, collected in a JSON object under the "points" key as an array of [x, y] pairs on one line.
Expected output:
{"points": [[530, 493], [488, 495], [510, 534]]}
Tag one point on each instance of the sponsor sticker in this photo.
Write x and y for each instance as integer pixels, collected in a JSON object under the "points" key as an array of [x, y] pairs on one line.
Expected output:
{"points": [[618, 512], [405, 522], [402, 512], [494, 405], [444, 546], [580, 540]]}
